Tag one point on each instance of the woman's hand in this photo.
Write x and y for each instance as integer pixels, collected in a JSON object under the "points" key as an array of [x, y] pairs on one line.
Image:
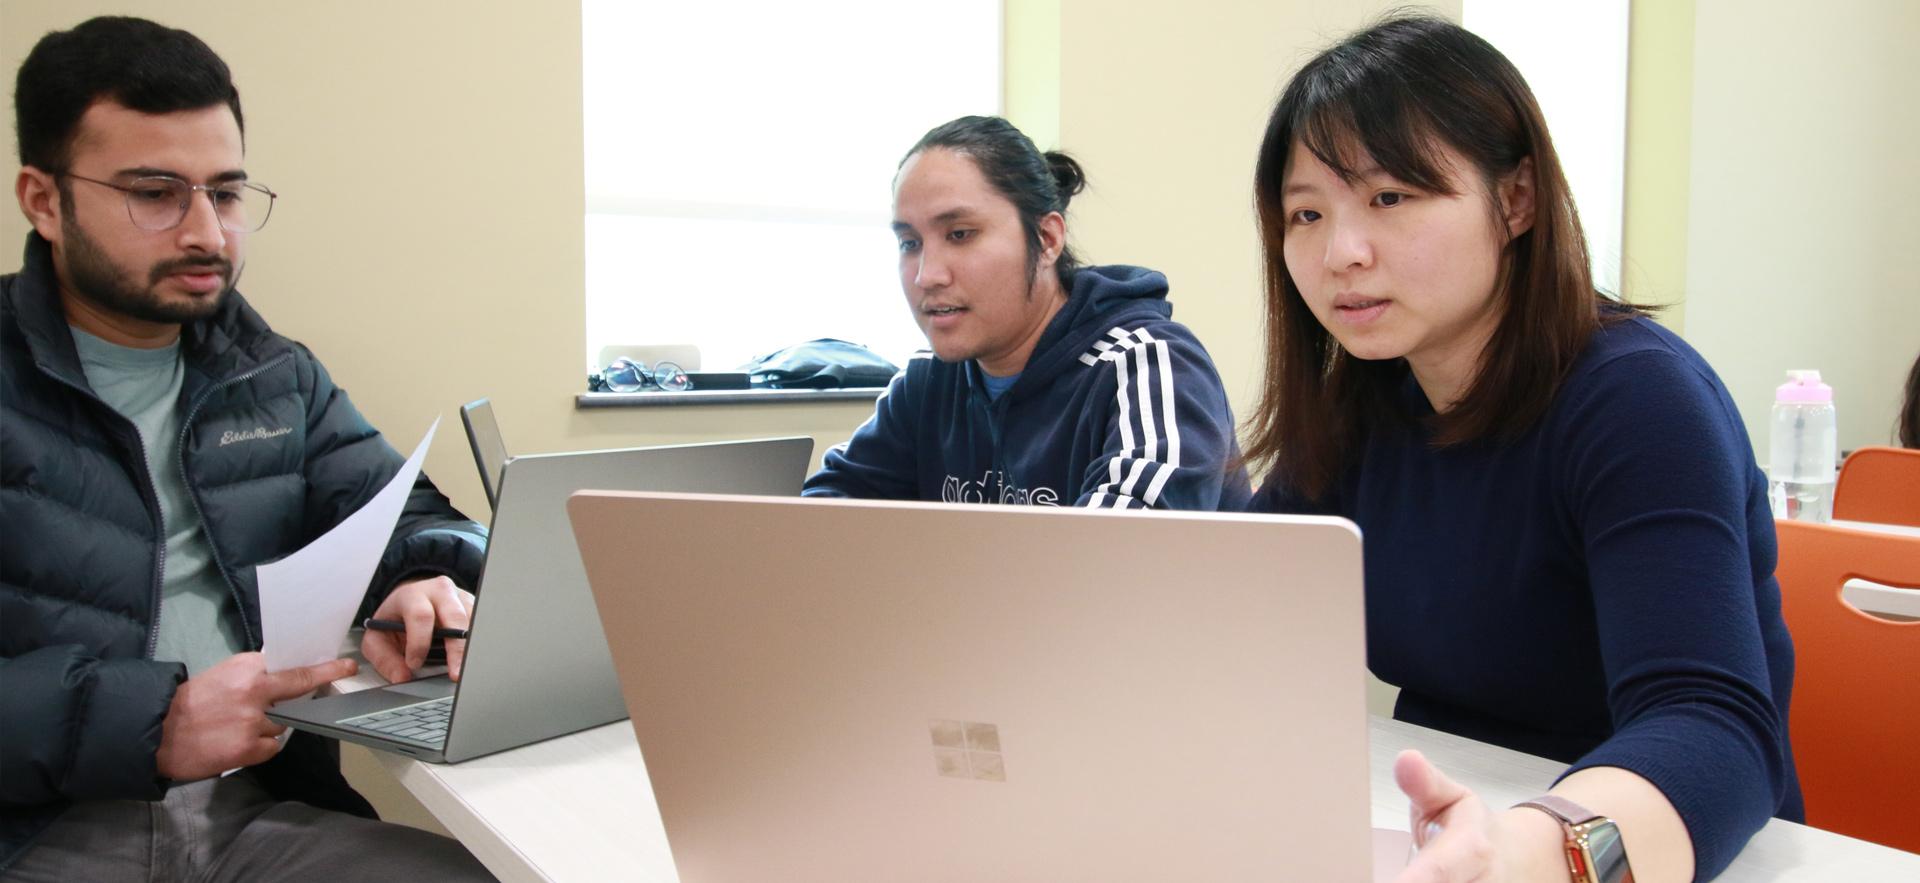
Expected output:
{"points": [[1461, 840]]}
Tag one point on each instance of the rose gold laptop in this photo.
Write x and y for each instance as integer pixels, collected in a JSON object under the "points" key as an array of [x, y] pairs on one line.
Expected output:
{"points": [[852, 690]]}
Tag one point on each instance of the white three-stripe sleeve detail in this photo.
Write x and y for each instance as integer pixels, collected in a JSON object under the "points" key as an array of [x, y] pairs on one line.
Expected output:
{"points": [[1141, 362], [1122, 387], [1167, 407], [1150, 441], [1126, 408], [1149, 430], [1133, 477], [1101, 347]]}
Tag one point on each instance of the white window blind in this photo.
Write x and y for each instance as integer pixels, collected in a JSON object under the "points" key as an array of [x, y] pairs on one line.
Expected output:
{"points": [[739, 159]]}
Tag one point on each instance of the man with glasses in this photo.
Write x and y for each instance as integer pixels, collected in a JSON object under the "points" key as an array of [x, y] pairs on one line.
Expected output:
{"points": [[158, 442]]}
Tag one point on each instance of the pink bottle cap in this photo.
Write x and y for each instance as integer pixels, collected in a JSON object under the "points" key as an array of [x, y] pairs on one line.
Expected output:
{"points": [[1803, 388]]}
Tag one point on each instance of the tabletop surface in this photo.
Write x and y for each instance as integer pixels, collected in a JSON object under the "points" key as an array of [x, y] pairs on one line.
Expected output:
{"points": [[571, 808]]}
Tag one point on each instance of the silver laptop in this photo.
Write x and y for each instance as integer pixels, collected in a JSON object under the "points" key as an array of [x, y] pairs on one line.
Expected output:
{"points": [[537, 664], [915, 691], [489, 446]]}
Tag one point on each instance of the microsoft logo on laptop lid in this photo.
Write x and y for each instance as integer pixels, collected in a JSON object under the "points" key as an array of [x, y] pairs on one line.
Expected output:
{"points": [[966, 750]]}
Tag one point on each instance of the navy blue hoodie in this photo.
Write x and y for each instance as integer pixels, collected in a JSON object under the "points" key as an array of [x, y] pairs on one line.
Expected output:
{"points": [[1119, 407]]}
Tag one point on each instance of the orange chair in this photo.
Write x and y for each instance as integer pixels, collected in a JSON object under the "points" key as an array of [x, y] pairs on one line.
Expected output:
{"points": [[1879, 484], [1855, 714]]}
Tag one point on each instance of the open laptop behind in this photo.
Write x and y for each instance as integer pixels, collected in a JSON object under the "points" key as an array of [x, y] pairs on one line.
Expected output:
{"points": [[537, 664], [865, 690], [489, 446]]}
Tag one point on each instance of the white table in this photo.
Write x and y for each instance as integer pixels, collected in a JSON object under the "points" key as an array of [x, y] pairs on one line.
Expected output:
{"points": [[580, 808]]}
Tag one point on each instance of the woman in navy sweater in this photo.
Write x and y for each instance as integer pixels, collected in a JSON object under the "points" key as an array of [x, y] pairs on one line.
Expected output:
{"points": [[1568, 546]]}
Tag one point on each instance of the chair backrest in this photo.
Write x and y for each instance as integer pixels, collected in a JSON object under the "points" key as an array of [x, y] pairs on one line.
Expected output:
{"points": [[1879, 484], [1855, 718]]}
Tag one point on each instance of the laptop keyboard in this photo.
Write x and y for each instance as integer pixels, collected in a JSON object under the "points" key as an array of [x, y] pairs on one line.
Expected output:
{"points": [[425, 722]]}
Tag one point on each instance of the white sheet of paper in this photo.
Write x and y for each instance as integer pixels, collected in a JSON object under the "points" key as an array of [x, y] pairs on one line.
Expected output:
{"points": [[307, 599]]}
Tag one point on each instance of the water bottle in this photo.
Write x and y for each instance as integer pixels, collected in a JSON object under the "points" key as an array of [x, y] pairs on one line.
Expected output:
{"points": [[1802, 449]]}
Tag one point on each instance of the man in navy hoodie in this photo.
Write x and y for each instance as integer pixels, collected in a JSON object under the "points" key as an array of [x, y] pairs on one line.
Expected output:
{"points": [[1048, 383]]}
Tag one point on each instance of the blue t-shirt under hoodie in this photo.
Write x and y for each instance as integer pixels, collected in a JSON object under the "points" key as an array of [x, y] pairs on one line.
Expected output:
{"points": [[1119, 407]]}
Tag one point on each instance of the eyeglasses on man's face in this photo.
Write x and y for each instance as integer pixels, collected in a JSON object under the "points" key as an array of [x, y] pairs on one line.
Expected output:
{"points": [[157, 203], [626, 375]]}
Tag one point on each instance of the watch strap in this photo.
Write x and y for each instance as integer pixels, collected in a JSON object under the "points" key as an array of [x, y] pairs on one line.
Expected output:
{"points": [[1595, 853], [1568, 812]]}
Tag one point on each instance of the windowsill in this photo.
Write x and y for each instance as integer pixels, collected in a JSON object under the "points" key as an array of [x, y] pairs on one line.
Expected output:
{"points": [[722, 397]]}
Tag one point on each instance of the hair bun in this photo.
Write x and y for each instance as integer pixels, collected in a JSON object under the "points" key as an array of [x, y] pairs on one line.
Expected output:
{"points": [[1066, 173]]}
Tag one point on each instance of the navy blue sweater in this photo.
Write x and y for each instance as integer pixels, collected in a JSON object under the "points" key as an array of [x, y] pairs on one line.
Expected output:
{"points": [[1119, 407], [1599, 591]]}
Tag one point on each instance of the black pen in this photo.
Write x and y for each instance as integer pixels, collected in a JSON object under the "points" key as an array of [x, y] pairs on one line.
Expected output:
{"points": [[394, 625]]}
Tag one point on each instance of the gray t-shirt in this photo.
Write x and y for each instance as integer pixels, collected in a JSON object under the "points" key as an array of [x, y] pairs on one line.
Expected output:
{"points": [[199, 624]]}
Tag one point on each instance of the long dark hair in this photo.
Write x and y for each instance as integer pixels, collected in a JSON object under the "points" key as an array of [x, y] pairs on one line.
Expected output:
{"points": [[1036, 182], [1393, 94], [1909, 427]]}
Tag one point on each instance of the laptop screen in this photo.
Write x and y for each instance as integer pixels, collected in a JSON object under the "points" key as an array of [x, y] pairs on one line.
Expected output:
{"points": [[489, 449]]}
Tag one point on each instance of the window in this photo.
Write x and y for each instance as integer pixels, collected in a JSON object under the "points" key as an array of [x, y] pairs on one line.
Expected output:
{"points": [[739, 155], [1575, 60]]}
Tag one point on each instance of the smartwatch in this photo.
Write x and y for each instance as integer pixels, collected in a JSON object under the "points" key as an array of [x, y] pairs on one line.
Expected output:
{"points": [[1595, 853]]}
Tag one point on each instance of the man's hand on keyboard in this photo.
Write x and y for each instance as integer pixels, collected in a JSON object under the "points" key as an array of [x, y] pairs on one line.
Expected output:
{"points": [[423, 604]]}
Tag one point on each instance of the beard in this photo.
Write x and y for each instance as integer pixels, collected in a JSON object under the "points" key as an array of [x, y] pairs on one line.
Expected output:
{"points": [[94, 276]]}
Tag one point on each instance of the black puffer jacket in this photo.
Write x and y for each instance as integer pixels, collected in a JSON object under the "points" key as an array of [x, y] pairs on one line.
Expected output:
{"points": [[274, 455]]}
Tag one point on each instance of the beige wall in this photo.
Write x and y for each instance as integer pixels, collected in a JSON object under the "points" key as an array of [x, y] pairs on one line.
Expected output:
{"points": [[1653, 269], [1031, 88], [1804, 202], [1165, 104]]}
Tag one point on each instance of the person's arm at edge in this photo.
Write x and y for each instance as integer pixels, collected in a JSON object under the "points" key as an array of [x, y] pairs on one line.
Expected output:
{"points": [[1667, 479], [79, 728], [1682, 818], [1157, 457], [1525, 844], [881, 460]]}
